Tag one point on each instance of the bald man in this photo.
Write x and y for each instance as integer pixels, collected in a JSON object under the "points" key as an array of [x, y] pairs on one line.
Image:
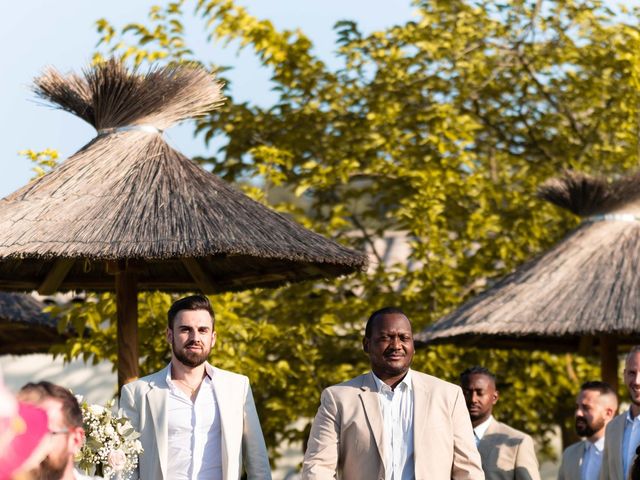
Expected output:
{"points": [[596, 405]]}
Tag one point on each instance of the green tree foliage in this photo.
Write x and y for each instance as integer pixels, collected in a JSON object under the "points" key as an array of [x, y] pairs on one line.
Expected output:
{"points": [[440, 130]]}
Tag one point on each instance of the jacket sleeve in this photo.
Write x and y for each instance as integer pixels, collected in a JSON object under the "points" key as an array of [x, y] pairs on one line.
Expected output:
{"points": [[254, 450], [467, 464], [526, 461], [321, 458]]}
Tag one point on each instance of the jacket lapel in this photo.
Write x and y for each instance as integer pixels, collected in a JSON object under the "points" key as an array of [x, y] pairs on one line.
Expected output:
{"points": [[577, 464], [226, 407], [421, 401], [157, 400], [487, 443], [371, 405], [619, 434]]}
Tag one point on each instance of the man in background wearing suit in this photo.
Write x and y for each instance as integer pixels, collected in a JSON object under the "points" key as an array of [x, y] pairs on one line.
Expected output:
{"points": [[622, 434], [392, 422], [506, 452], [195, 420], [596, 405]]}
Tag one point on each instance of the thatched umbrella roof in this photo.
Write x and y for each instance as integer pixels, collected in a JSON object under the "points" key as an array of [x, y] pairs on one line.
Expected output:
{"points": [[129, 203], [127, 195], [583, 293], [24, 327]]}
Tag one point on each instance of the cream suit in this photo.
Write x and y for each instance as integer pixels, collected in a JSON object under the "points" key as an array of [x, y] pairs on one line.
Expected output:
{"points": [[145, 403], [612, 468], [572, 461], [508, 454], [346, 437]]}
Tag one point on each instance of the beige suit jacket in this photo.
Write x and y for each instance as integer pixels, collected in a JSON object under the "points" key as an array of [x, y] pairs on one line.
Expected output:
{"points": [[145, 403], [346, 437], [571, 463], [508, 454], [612, 467]]}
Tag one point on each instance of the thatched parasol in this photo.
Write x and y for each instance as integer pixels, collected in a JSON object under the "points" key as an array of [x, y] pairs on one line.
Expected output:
{"points": [[24, 327], [129, 212], [582, 295]]}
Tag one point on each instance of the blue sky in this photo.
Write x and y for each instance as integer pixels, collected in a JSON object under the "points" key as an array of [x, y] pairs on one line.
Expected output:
{"points": [[61, 33]]}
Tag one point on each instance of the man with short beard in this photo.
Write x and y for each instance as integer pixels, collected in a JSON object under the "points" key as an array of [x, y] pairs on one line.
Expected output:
{"points": [[66, 435], [622, 434], [596, 405], [195, 420]]}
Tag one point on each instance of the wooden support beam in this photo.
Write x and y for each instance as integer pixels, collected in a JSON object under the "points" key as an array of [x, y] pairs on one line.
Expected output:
{"points": [[609, 360], [127, 307], [202, 278], [55, 276]]}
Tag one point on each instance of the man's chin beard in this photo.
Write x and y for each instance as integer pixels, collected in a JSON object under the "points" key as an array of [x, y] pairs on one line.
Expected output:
{"points": [[48, 471], [190, 359]]}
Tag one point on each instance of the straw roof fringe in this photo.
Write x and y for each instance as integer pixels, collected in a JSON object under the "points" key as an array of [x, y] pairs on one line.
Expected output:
{"points": [[585, 286], [127, 196]]}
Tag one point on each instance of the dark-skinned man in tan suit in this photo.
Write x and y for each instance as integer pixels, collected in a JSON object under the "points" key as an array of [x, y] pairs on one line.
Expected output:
{"points": [[507, 453], [392, 423], [596, 405]]}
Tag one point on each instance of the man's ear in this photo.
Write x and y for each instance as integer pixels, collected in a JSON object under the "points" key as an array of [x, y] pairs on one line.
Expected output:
{"points": [[365, 344], [169, 336], [77, 440], [496, 396]]}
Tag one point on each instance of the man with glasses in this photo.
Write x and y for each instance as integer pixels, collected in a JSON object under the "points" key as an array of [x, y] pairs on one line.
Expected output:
{"points": [[65, 429]]}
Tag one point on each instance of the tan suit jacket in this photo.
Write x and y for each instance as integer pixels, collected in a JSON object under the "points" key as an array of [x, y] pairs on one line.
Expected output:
{"points": [[508, 454], [346, 437], [612, 467], [145, 403], [571, 463]]}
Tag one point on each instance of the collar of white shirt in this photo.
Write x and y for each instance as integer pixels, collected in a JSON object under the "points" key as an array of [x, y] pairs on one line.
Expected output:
{"points": [[599, 444], [481, 429], [404, 384], [207, 368]]}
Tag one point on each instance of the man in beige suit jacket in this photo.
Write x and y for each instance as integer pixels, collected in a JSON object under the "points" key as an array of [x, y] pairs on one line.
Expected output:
{"points": [[195, 420], [392, 422], [506, 453], [596, 405], [622, 434]]}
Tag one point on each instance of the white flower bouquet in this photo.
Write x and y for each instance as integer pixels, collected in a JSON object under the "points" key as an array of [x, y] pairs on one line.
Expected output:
{"points": [[112, 447]]}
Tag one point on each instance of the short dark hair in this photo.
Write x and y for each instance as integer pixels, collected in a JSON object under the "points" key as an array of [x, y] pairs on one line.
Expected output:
{"points": [[38, 392], [192, 302], [380, 313], [603, 387], [477, 370]]}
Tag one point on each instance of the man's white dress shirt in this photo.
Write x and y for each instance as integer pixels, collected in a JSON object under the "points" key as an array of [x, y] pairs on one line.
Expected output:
{"points": [[194, 442], [592, 460], [397, 437]]}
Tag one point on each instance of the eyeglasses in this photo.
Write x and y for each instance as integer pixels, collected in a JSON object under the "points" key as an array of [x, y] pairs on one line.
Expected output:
{"points": [[62, 431]]}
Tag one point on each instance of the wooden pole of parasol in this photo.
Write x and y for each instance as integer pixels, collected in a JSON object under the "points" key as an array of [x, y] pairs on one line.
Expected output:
{"points": [[609, 360], [127, 323]]}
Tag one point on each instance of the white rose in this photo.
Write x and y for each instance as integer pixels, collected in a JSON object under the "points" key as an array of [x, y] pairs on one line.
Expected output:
{"points": [[117, 460], [109, 430]]}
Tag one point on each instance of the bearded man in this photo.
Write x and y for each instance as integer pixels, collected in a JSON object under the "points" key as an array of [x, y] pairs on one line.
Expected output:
{"points": [[195, 420], [596, 405], [66, 435]]}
